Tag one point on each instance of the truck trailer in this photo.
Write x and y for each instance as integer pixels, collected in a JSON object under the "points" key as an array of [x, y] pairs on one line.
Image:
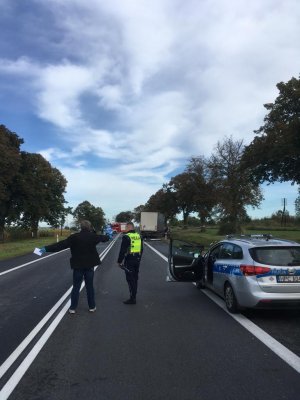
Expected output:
{"points": [[152, 225]]}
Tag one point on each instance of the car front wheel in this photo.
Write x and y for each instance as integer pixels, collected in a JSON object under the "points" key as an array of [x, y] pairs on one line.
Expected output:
{"points": [[230, 299]]}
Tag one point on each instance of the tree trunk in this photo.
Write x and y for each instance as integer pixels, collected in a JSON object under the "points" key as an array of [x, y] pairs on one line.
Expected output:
{"points": [[35, 229], [185, 218], [2, 228]]}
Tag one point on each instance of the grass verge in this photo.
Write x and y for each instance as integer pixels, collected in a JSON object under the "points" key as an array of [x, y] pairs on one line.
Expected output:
{"points": [[211, 234], [21, 247]]}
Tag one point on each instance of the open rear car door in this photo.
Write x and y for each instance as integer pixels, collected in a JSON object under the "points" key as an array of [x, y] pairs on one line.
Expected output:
{"points": [[185, 261]]}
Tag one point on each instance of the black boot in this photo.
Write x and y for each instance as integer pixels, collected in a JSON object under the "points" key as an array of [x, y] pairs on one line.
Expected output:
{"points": [[130, 301]]}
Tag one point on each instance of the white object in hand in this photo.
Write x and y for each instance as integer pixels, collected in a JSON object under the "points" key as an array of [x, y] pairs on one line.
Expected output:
{"points": [[37, 251]]}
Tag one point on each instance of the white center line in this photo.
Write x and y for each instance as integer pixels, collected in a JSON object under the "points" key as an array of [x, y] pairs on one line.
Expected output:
{"points": [[20, 371]]}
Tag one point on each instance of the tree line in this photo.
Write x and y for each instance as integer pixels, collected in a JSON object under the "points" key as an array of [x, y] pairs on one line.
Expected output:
{"points": [[32, 190], [222, 186]]}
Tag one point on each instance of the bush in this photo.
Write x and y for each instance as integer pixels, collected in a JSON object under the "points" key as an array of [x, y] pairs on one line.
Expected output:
{"points": [[227, 228]]}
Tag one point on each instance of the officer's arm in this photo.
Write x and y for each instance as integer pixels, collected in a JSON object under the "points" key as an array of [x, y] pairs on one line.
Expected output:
{"points": [[124, 248]]}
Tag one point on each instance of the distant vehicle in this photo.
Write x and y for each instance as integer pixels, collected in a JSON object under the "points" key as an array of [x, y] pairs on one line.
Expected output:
{"points": [[152, 225], [122, 226], [255, 271], [116, 227]]}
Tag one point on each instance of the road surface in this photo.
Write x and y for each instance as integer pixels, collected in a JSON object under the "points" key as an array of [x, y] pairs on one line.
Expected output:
{"points": [[175, 343]]}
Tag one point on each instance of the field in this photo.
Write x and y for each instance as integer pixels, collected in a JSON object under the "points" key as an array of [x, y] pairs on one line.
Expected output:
{"points": [[25, 246], [211, 234]]}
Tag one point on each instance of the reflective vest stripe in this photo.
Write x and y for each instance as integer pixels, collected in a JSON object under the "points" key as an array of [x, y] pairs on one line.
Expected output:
{"points": [[135, 243]]}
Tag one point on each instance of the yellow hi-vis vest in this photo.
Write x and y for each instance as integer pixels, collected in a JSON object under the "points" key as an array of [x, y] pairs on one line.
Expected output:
{"points": [[135, 243]]}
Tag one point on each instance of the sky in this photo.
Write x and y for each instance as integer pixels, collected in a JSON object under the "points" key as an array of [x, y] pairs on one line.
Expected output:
{"points": [[120, 94]]}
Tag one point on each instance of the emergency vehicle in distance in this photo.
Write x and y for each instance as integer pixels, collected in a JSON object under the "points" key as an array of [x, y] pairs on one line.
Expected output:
{"points": [[152, 225], [118, 227]]}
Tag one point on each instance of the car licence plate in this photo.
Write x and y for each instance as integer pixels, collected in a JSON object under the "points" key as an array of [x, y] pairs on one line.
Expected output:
{"points": [[288, 279]]}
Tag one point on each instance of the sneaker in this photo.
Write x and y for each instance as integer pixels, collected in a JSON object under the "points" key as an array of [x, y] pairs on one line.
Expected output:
{"points": [[130, 301], [92, 309], [71, 311]]}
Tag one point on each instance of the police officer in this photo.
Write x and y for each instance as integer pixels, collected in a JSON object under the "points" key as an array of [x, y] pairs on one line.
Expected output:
{"points": [[129, 259]]}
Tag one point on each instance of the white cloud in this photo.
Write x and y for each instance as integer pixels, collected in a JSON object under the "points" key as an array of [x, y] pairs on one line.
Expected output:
{"points": [[148, 85], [105, 189]]}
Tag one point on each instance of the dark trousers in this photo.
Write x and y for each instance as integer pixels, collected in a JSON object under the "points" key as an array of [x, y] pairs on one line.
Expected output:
{"points": [[132, 264], [78, 276]]}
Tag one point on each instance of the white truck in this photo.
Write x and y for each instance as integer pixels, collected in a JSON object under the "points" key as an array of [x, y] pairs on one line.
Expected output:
{"points": [[152, 225]]}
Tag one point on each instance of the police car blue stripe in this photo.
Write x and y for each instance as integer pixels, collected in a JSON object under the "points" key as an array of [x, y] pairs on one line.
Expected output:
{"points": [[228, 269]]}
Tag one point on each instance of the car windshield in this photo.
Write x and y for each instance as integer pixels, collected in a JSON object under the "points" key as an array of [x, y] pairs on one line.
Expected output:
{"points": [[280, 256]]}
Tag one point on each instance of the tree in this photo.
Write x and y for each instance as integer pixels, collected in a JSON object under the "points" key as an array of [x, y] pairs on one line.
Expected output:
{"points": [[40, 193], [10, 162], [137, 213], [163, 201], [203, 188], [183, 187], [233, 185], [274, 154], [62, 219], [124, 216], [86, 211]]}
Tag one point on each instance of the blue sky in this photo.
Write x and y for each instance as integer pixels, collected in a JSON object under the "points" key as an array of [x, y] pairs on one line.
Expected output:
{"points": [[120, 94]]}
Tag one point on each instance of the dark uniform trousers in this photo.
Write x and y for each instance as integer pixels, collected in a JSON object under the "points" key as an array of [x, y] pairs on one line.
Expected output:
{"points": [[132, 265]]}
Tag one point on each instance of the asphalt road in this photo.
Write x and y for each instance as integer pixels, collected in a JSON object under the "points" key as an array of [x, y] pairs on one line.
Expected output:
{"points": [[175, 343]]}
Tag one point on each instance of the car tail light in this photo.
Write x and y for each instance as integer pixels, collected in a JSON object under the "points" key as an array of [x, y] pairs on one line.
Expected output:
{"points": [[250, 270]]}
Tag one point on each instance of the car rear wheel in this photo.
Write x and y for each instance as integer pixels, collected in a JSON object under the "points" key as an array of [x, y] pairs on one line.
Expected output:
{"points": [[230, 299]]}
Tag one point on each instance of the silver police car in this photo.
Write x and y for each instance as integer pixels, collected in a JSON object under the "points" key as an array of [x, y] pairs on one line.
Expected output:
{"points": [[255, 271]]}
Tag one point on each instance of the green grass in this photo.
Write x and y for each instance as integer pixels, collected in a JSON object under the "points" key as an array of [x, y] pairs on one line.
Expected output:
{"points": [[21, 247], [211, 234]]}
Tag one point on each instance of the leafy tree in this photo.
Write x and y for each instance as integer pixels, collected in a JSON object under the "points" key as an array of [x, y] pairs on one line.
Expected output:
{"points": [[183, 187], [203, 191], [124, 216], [86, 211], [233, 186], [163, 201], [274, 154], [137, 212], [40, 193], [62, 218], [10, 162]]}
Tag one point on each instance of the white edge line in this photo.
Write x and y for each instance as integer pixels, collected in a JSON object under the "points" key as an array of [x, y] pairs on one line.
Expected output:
{"points": [[13, 357], [157, 252], [30, 262], [281, 351]]}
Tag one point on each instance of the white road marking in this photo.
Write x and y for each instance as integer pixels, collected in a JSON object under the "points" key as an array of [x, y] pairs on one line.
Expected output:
{"points": [[30, 262], [20, 371], [157, 252], [281, 351]]}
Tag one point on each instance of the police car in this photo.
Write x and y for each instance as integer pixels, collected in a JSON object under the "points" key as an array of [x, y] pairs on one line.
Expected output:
{"points": [[255, 271]]}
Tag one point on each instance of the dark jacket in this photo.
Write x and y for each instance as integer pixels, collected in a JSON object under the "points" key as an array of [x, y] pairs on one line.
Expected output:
{"points": [[83, 248], [125, 245]]}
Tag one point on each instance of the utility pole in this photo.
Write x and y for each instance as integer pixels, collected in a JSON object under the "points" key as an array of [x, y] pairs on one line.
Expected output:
{"points": [[283, 216]]}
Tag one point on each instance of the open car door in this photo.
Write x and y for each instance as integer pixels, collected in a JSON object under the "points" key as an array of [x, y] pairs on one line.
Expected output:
{"points": [[185, 261]]}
